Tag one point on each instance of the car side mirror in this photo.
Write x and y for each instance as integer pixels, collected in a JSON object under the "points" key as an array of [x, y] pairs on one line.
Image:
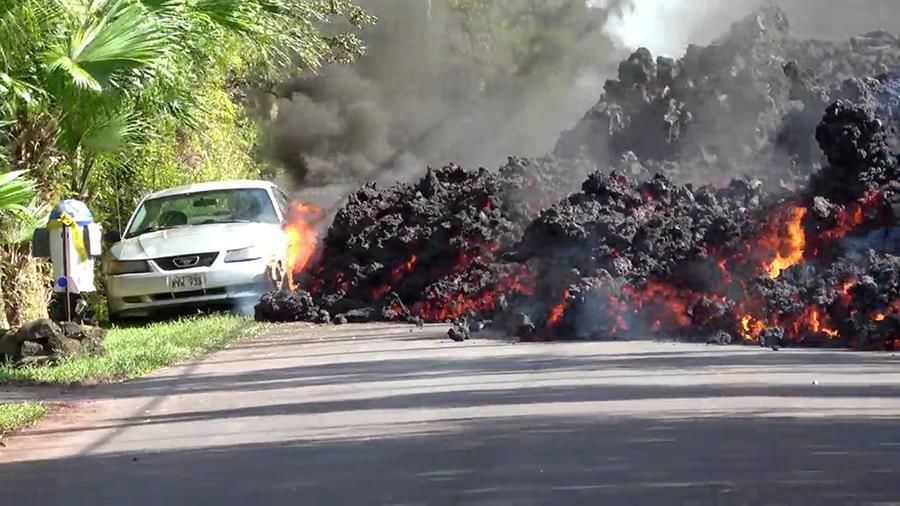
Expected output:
{"points": [[112, 236]]}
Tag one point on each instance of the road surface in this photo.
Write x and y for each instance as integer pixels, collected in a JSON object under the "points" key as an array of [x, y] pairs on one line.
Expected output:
{"points": [[393, 415]]}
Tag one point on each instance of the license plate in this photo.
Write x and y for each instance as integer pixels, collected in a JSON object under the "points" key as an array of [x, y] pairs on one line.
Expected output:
{"points": [[186, 282]]}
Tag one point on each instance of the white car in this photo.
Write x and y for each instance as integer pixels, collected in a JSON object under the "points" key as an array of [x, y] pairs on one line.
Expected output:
{"points": [[198, 245]]}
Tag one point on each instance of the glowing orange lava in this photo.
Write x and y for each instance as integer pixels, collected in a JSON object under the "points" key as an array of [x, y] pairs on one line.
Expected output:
{"points": [[814, 321], [723, 269], [445, 307], [302, 235], [558, 310], [403, 269], [895, 308], [787, 240], [751, 327], [668, 303], [844, 293], [852, 216]]}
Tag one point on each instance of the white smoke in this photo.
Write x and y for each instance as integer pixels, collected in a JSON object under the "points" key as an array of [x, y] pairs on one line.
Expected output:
{"points": [[666, 27]]}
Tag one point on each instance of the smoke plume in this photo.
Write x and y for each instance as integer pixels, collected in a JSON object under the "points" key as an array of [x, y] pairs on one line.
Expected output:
{"points": [[421, 98]]}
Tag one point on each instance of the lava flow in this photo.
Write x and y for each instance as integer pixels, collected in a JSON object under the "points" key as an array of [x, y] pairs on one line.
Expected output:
{"points": [[667, 305], [853, 216], [751, 327], [640, 224], [482, 297], [734, 291], [786, 239], [557, 312]]}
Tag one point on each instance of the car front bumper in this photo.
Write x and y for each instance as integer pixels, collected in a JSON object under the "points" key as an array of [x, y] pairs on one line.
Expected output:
{"points": [[144, 294]]}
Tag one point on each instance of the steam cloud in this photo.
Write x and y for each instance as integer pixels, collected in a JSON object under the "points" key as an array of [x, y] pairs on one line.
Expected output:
{"points": [[667, 26]]}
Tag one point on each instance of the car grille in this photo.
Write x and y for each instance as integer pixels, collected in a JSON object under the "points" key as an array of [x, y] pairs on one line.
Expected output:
{"points": [[188, 295], [186, 261]]}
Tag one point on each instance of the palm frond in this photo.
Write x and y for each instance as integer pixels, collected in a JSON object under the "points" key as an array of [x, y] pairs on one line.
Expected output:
{"points": [[16, 192], [19, 227], [24, 26], [117, 35], [164, 5], [236, 16], [111, 135], [80, 76]]}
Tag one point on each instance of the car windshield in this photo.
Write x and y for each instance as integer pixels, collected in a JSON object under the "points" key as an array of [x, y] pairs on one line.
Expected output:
{"points": [[251, 205]]}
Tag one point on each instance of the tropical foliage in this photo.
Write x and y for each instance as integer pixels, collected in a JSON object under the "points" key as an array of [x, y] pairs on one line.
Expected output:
{"points": [[105, 100], [20, 214]]}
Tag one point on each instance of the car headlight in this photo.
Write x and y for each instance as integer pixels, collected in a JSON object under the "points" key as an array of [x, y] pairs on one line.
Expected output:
{"points": [[243, 255], [115, 267]]}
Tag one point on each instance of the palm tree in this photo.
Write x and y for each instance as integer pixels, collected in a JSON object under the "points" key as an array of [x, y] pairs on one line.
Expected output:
{"points": [[86, 85], [109, 69], [113, 46]]}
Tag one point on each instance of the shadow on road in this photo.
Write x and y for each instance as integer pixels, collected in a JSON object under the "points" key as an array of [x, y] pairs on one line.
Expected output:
{"points": [[483, 396], [363, 370], [517, 461], [394, 418]]}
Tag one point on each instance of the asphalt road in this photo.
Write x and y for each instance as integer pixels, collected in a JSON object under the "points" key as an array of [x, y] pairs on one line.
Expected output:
{"points": [[391, 415]]}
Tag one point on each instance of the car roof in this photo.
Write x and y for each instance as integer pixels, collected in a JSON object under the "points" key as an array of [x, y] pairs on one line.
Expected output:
{"points": [[212, 186]]}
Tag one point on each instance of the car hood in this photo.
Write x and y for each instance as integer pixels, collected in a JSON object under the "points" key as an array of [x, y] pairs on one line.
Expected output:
{"points": [[200, 239]]}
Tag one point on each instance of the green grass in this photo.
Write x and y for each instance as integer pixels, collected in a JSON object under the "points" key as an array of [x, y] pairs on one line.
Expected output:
{"points": [[136, 351], [20, 414]]}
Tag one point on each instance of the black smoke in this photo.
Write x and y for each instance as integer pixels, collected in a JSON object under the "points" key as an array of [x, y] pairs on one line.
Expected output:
{"points": [[417, 99]]}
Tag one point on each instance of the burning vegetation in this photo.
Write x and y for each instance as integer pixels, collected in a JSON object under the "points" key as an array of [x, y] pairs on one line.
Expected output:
{"points": [[801, 248]]}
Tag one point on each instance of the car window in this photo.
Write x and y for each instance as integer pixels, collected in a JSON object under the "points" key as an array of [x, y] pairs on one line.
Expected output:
{"points": [[282, 200], [251, 205]]}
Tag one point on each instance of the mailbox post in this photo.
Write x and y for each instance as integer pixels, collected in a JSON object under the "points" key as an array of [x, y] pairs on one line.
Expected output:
{"points": [[71, 240]]}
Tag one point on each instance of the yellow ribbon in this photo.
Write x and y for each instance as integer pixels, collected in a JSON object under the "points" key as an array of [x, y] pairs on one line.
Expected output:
{"points": [[65, 220]]}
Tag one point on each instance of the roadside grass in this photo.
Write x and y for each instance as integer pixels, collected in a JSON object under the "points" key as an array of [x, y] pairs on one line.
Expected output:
{"points": [[136, 351], [17, 415]]}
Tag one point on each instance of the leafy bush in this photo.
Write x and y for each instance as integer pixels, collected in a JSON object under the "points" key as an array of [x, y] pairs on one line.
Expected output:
{"points": [[106, 100]]}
